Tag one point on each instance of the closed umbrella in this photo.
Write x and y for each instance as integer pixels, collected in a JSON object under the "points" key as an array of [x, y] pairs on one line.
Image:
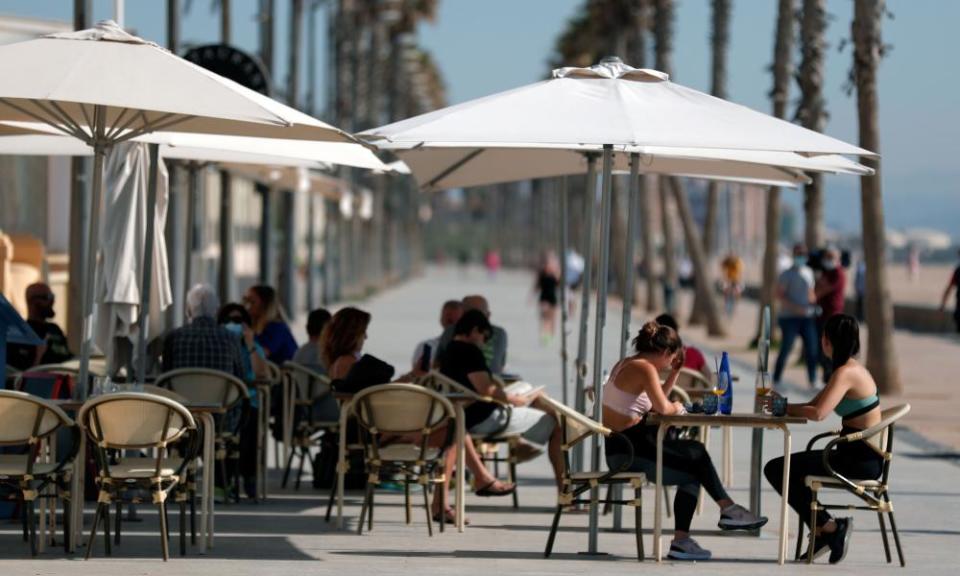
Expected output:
{"points": [[104, 86], [608, 105]]}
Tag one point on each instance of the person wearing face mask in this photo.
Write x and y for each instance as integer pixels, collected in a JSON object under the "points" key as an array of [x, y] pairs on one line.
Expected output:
{"points": [[830, 289], [55, 348], [633, 391], [795, 293]]}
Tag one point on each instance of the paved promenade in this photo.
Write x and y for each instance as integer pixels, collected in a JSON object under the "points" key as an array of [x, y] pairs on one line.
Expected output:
{"points": [[287, 534]]}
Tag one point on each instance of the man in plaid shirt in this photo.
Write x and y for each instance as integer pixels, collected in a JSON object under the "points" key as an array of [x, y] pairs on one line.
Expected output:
{"points": [[202, 343]]}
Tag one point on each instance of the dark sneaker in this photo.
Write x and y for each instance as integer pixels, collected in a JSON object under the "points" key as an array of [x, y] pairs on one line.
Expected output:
{"points": [[736, 517], [821, 545], [687, 549], [840, 539]]}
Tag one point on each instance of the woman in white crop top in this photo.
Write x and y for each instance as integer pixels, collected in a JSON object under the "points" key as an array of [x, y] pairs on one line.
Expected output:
{"points": [[632, 391]]}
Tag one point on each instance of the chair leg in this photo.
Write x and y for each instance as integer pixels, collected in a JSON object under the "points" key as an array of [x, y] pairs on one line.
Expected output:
{"points": [[31, 525], [513, 476], [368, 495], [304, 454], [117, 520], [287, 468], [183, 528], [164, 537], [607, 506], [444, 494], [896, 535], [553, 531], [426, 506], [93, 531], [23, 519], [373, 496], [406, 499], [666, 501], [638, 521], [813, 527], [193, 516], [883, 534], [67, 532], [330, 501]]}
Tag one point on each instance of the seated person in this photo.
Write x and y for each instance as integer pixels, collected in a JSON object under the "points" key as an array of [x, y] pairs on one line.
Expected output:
{"points": [[852, 394], [424, 353], [634, 390], [269, 325], [494, 348], [464, 362], [54, 349], [310, 354], [693, 358], [342, 342]]}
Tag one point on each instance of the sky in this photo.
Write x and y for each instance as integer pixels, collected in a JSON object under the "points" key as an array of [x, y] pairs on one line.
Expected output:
{"points": [[485, 46]]}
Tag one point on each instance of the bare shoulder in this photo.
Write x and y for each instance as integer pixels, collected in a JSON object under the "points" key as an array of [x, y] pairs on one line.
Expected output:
{"points": [[341, 366], [635, 374], [855, 377]]}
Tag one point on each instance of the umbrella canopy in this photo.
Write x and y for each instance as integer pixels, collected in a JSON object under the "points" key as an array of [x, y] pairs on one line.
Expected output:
{"points": [[610, 103], [58, 79], [441, 167]]}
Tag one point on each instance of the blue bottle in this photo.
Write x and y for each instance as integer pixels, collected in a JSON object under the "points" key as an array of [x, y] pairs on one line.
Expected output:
{"points": [[726, 401]]}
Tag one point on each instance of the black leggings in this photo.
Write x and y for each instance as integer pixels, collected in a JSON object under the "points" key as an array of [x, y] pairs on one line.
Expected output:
{"points": [[686, 465], [855, 460]]}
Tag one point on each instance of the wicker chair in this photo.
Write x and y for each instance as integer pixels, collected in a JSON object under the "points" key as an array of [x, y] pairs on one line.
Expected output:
{"points": [[875, 494], [138, 421], [399, 420], [204, 386], [307, 387], [576, 428], [27, 421]]}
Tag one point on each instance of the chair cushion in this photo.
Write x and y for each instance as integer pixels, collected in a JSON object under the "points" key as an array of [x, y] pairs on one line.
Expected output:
{"points": [[585, 477], [406, 453], [832, 482], [16, 465], [140, 468]]}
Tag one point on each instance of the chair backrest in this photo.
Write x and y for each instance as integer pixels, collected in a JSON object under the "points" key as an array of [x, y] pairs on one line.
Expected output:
{"points": [[274, 373], [205, 386], [400, 409], [25, 418], [165, 392], [134, 420], [438, 382], [880, 435], [97, 366], [308, 384], [575, 427], [690, 379]]}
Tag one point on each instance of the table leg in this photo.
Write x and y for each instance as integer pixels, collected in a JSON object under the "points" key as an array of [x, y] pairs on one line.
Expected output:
{"points": [[342, 461], [76, 494], [461, 471], [263, 440], [207, 486], [658, 500], [42, 503], [785, 491], [728, 456]]}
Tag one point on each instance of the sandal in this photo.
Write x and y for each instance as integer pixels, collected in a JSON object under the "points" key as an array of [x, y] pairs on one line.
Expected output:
{"points": [[450, 517], [491, 489]]}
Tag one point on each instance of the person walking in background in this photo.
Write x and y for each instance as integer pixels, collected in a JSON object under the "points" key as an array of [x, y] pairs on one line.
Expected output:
{"points": [[574, 276], [310, 354], [953, 286], [547, 285], [860, 286], [913, 263], [797, 310], [732, 267], [830, 289], [492, 262], [269, 326]]}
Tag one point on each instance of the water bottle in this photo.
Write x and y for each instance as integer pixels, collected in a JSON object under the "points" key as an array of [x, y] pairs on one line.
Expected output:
{"points": [[726, 401]]}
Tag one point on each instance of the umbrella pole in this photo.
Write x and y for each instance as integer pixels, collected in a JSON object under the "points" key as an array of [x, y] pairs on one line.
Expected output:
{"points": [[581, 365], [598, 333], [93, 239], [146, 282], [628, 295], [564, 239]]}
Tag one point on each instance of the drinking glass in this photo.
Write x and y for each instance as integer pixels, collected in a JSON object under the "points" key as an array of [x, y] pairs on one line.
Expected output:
{"points": [[778, 406], [710, 404], [763, 390]]}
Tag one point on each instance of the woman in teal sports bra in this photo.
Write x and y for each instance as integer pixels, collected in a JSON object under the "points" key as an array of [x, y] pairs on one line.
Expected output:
{"points": [[852, 394]]}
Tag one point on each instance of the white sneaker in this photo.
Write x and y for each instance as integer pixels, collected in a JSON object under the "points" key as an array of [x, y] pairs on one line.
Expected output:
{"points": [[736, 517], [687, 549]]}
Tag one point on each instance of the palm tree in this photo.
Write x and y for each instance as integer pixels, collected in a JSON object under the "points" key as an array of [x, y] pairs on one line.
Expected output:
{"points": [[782, 70], [868, 50], [812, 110], [720, 41], [663, 36]]}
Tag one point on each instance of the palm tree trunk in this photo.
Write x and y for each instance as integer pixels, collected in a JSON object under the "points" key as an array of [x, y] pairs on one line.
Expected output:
{"points": [[782, 71], [812, 112], [663, 34], [868, 49], [646, 239], [704, 279]]}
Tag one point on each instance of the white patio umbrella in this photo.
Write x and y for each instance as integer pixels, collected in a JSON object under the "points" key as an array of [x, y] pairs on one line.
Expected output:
{"points": [[606, 105], [104, 86]]}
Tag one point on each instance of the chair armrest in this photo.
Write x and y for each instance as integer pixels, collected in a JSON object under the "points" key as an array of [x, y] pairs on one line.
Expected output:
{"points": [[819, 437]]}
